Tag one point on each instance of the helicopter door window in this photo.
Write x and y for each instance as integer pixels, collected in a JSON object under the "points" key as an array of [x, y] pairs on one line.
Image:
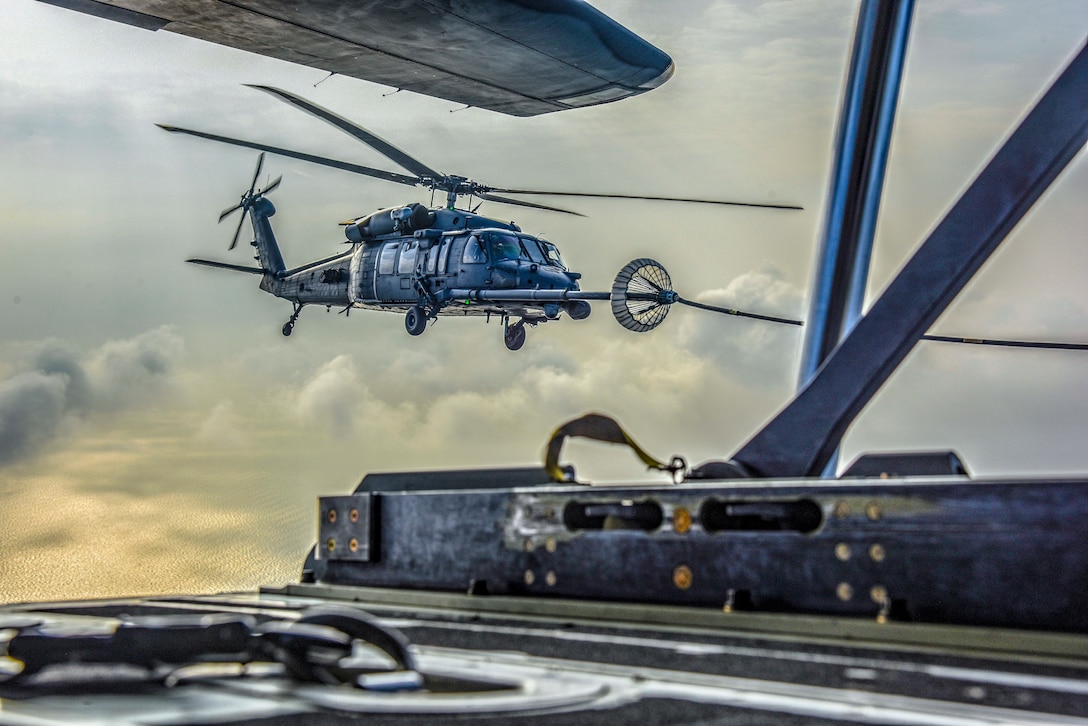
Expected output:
{"points": [[388, 258], [474, 253], [432, 260], [444, 255], [408, 259]]}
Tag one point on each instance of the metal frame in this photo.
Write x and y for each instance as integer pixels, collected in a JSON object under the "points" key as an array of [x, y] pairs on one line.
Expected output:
{"points": [[802, 438]]}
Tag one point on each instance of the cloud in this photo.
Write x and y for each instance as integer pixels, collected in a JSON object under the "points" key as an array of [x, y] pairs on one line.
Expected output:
{"points": [[222, 427], [127, 372], [761, 352], [55, 358], [333, 396], [58, 386], [32, 407]]}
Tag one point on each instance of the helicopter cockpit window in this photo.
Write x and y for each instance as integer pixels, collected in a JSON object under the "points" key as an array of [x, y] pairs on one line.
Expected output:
{"points": [[474, 253], [552, 253], [532, 248], [408, 259], [504, 247], [388, 258]]}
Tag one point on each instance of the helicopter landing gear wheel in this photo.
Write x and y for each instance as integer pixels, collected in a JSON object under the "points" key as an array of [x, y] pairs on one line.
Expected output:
{"points": [[514, 336], [415, 322], [290, 324]]}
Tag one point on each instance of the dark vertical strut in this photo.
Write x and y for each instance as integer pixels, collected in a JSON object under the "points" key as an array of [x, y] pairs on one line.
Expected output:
{"points": [[802, 438], [862, 140]]}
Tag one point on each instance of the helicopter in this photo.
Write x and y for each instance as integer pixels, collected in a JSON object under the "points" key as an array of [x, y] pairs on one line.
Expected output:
{"points": [[443, 261]]}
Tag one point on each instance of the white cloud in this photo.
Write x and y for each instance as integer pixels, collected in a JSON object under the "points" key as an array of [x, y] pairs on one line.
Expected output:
{"points": [[223, 427], [336, 400], [60, 386], [757, 351], [130, 372]]}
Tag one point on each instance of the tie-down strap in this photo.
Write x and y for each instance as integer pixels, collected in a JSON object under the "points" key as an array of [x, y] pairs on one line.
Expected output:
{"points": [[599, 427]]}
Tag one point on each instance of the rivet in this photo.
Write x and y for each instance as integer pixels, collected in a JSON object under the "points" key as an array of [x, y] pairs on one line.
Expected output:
{"points": [[530, 578], [331, 544], [682, 577], [842, 551], [681, 520], [332, 516], [353, 545], [529, 546], [550, 544], [353, 515], [550, 578], [879, 594], [844, 591], [842, 510], [876, 552], [873, 511]]}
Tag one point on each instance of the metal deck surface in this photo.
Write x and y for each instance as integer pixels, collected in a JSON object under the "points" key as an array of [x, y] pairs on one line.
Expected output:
{"points": [[561, 661]]}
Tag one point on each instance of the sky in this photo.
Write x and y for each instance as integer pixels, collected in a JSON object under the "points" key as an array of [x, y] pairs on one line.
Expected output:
{"points": [[158, 434]]}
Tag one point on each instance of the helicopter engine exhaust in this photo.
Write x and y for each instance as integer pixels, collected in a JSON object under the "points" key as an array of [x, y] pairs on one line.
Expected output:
{"points": [[387, 221]]}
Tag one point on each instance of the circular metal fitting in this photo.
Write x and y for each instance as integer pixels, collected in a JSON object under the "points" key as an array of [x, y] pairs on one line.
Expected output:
{"points": [[682, 577], [681, 520]]}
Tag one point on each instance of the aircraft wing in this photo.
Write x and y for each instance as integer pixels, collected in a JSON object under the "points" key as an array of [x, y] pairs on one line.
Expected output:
{"points": [[518, 57]]}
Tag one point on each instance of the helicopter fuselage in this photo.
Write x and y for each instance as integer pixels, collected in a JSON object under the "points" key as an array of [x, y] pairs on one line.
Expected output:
{"points": [[447, 262]]}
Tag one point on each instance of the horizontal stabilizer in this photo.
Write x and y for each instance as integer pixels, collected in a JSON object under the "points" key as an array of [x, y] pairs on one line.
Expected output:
{"points": [[227, 266]]}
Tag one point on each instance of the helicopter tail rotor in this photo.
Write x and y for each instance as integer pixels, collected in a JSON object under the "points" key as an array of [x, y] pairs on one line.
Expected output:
{"points": [[642, 295], [247, 200]]}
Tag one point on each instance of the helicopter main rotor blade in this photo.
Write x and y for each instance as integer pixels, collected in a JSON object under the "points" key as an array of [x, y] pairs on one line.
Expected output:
{"points": [[323, 161], [592, 195], [256, 173], [375, 142], [517, 202]]}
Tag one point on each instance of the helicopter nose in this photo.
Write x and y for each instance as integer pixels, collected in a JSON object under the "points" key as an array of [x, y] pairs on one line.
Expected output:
{"points": [[544, 278], [506, 273]]}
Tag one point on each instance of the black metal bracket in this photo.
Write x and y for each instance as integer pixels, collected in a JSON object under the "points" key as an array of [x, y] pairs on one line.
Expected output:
{"points": [[801, 439]]}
